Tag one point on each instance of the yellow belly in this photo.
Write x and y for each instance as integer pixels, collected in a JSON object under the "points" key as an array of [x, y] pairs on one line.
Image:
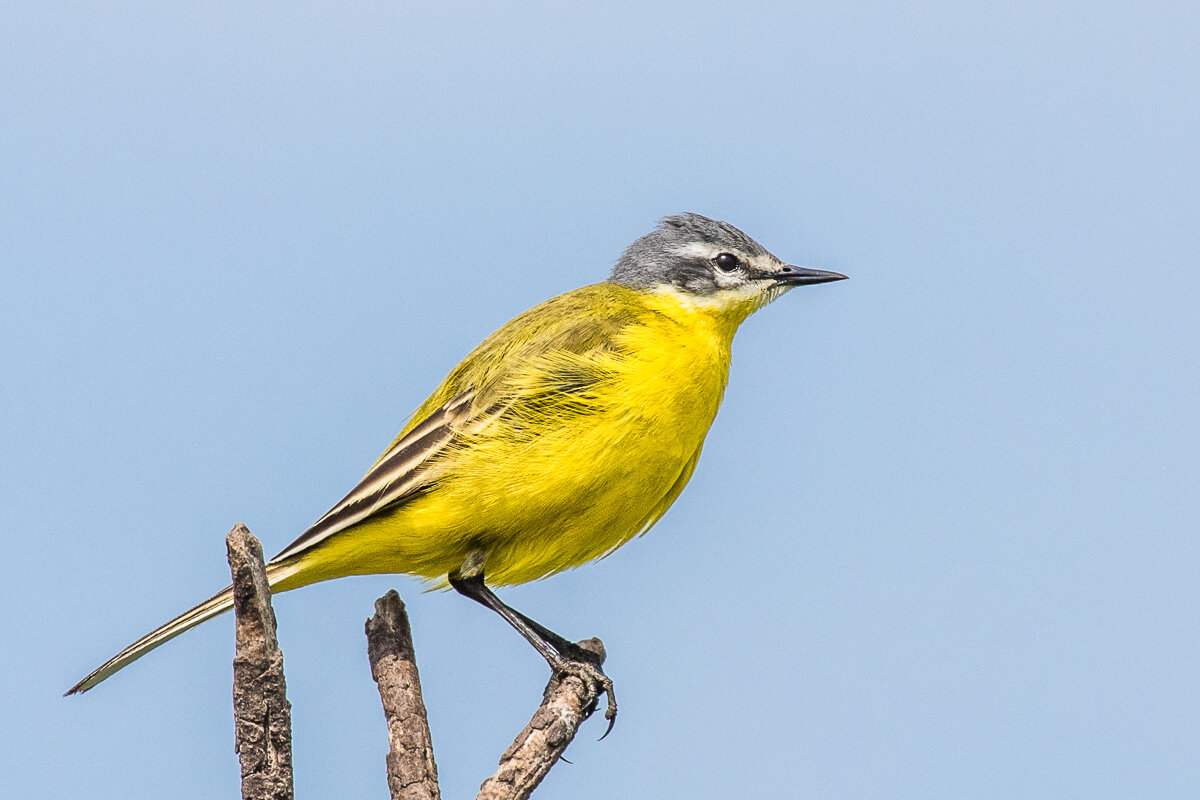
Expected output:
{"points": [[570, 494]]}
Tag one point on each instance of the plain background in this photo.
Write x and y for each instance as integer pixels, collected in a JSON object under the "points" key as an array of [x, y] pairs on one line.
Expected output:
{"points": [[942, 542]]}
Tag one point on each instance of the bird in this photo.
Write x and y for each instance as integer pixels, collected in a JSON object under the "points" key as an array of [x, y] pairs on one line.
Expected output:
{"points": [[566, 433]]}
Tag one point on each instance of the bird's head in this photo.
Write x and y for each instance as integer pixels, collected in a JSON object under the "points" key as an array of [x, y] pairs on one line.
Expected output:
{"points": [[710, 264]]}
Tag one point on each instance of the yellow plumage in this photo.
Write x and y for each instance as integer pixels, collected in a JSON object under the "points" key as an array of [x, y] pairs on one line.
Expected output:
{"points": [[563, 435], [607, 394]]}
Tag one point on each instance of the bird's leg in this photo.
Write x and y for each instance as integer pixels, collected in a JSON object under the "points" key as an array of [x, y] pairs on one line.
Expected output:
{"points": [[563, 656], [550, 645]]}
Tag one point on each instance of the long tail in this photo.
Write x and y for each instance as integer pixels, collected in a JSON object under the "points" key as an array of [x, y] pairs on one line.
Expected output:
{"points": [[217, 604]]}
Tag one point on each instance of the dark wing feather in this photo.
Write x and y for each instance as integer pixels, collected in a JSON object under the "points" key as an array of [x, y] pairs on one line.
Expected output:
{"points": [[396, 476], [490, 386]]}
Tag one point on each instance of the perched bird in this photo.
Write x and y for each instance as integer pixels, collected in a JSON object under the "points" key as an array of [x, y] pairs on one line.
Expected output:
{"points": [[562, 436]]}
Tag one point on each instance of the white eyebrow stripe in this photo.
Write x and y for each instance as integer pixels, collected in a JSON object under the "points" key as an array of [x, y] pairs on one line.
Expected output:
{"points": [[766, 263], [698, 250]]}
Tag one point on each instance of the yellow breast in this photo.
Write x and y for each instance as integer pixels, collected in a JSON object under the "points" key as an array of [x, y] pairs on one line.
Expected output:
{"points": [[555, 486]]}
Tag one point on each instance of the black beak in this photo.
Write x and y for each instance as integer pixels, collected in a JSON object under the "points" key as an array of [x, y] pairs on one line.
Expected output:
{"points": [[801, 276]]}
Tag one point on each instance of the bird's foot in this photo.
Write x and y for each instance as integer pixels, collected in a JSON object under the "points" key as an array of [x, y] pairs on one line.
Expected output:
{"points": [[583, 660]]}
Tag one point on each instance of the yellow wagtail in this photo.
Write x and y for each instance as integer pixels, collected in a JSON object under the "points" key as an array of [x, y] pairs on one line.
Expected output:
{"points": [[565, 434]]}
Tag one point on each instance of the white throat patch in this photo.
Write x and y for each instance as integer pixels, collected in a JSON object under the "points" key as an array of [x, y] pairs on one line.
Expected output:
{"points": [[747, 294]]}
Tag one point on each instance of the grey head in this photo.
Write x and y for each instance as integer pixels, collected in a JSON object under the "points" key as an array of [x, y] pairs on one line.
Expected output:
{"points": [[704, 257]]}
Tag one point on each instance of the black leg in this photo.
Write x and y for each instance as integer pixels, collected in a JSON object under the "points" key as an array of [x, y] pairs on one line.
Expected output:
{"points": [[562, 655], [548, 643]]}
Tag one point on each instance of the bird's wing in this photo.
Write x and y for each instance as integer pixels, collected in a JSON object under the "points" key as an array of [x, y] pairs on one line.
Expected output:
{"points": [[545, 362], [396, 476]]}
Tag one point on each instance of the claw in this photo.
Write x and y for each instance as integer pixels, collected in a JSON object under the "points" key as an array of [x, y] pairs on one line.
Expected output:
{"points": [[591, 674], [610, 711], [610, 714]]}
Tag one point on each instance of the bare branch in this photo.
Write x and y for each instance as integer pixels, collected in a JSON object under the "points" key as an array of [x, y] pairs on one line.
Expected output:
{"points": [[411, 771], [569, 699], [261, 712]]}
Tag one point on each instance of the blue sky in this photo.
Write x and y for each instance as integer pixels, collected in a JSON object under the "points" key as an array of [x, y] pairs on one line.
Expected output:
{"points": [[942, 542]]}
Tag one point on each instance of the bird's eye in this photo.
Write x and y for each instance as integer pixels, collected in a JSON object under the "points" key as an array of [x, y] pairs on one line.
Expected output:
{"points": [[727, 262]]}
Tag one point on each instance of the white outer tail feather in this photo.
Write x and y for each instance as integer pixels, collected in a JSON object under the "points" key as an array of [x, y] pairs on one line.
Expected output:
{"points": [[217, 604]]}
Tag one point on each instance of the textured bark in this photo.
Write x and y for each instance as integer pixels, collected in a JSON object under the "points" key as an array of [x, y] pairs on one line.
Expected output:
{"points": [[568, 700], [411, 771], [261, 712]]}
